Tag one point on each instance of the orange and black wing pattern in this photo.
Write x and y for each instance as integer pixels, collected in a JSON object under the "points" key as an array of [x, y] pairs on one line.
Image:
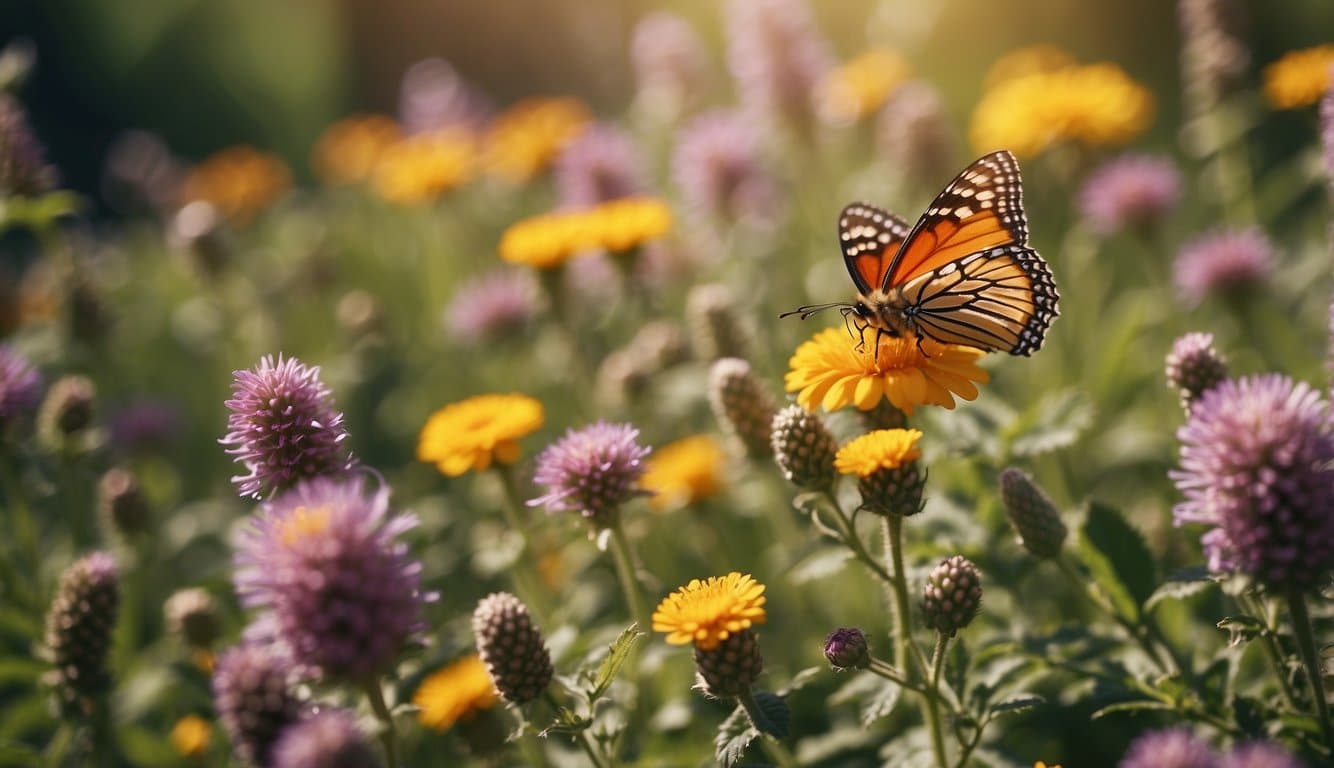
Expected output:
{"points": [[870, 237]]}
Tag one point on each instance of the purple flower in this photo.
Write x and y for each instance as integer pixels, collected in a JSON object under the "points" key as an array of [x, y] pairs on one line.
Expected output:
{"points": [[1259, 754], [20, 386], [329, 739], [140, 174], [283, 427], [23, 168], [493, 306], [79, 628], [602, 164], [1194, 366], [1133, 191], [776, 55], [1169, 748], [433, 96], [145, 425], [1223, 263], [325, 560], [591, 471], [914, 134], [670, 61], [1256, 459], [1327, 133], [846, 648], [718, 169], [254, 700]]}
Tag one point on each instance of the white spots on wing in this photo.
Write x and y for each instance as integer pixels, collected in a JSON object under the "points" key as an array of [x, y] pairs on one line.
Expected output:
{"points": [[985, 194]]}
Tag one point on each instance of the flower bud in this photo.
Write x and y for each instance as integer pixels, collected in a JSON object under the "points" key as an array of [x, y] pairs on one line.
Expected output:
{"points": [[79, 627], [846, 648], [1032, 514], [732, 667], [67, 410], [743, 408], [952, 595], [512, 648], [121, 504], [716, 328], [1194, 367], [192, 616], [253, 700], [803, 448]]}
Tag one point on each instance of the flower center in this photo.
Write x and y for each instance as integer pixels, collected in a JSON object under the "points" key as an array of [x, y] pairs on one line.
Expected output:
{"points": [[304, 522]]}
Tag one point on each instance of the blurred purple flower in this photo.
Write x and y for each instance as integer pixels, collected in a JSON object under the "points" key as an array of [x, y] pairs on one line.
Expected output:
{"points": [[433, 95], [1256, 463], [1132, 191], [20, 386], [1194, 366], [591, 471], [493, 306], [718, 168], [1259, 754], [776, 55], [1226, 263], [23, 168], [144, 425], [670, 61], [325, 559], [141, 175], [1169, 748], [254, 700], [283, 427], [328, 739], [602, 164], [914, 133], [1327, 132]]}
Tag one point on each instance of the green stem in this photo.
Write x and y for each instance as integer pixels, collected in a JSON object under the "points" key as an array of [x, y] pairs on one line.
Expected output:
{"points": [[1165, 661], [931, 702], [892, 526], [847, 534], [1269, 639], [389, 737], [1301, 629], [527, 581], [594, 756], [26, 537], [773, 747], [885, 670], [625, 571]]}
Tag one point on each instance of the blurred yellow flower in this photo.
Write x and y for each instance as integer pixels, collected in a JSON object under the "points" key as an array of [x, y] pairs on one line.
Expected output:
{"points": [[708, 612], [1097, 105], [348, 150], [861, 86], [881, 449], [1029, 60], [1040, 764], [421, 167], [1300, 78], [239, 181], [454, 693], [617, 226], [473, 433], [623, 225], [684, 472], [191, 735], [829, 370], [525, 139]]}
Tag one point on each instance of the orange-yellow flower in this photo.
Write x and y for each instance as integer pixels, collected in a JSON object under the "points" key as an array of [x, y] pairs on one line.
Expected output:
{"points": [[191, 736], [526, 138], [708, 612], [474, 433], [861, 86], [684, 472], [1029, 60], [454, 693], [422, 167], [881, 449], [1300, 77], [239, 181], [617, 226], [348, 150]]}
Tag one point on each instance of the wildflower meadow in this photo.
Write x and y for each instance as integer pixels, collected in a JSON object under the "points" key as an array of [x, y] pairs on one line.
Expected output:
{"points": [[819, 400]]}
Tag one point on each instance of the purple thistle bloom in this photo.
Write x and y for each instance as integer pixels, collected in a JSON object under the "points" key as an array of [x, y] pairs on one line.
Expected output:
{"points": [[325, 560], [254, 700], [145, 425], [23, 168], [591, 471], [1223, 263], [329, 739], [1259, 754], [433, 95], [283, 427], [718, 168], [776, 55], [671, 65], [20, 386], [602, 164], [1169, 748], [1256, 459], [493, 306], [1133, 191]]}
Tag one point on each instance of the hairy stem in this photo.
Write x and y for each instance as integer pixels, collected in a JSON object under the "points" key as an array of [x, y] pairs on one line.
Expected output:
{"points": [[931, 701], [1301, 628]]}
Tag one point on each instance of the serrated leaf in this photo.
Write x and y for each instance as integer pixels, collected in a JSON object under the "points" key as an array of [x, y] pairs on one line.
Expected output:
{"points": [[734, 735], [566, 723], [800, 680], [1138, 705], [770, 714], [1018, 703], [1241, 629], [1118, 559], [617, 654], [882, 703], [1182, 584]]}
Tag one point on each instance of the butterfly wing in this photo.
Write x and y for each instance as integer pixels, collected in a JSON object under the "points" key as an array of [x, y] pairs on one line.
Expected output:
{"points": [[870, 237]]}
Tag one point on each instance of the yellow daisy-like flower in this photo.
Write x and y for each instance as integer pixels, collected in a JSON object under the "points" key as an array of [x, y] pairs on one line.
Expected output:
{"points": [[420, 168], [524, 140], [881, 449], [684, 472], [861, 86], [1097, 105], [1029, 60], [191, 736], [454, 693], [239, 181], [348, 150], [708, 612], [623, 225], [473, 433], [829, 370], [1040, 764], [1300, 78], [549, 240]]}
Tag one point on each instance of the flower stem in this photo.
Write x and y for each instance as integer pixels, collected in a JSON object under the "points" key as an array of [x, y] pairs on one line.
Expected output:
{"points": [[594, 756], [892, 527], [772, 746], [1165, 661], [1269, 640], [847, 533], [1301, 628], [931, 701], [625, 571], [887, 671], [389, 736], [527, 580]]}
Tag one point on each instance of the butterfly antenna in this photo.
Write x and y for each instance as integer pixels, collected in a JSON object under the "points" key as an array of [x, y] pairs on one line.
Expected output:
{"points": [[810, 310]]}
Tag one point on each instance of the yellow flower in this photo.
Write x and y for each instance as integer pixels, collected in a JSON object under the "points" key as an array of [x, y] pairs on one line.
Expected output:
{"points": [[881, 449], [475, 432], [623, 225], [239, 181], [1097, 105], [708, 612], [420, 168], [551, 239], [1029, 60], [861, 86], [1040, 764], [524, 140], [454, 693], [830, 371], [191, 736], [348, 150], [683, 472], [1300, 78]]}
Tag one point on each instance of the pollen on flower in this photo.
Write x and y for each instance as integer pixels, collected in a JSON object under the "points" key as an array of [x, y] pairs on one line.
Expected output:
{"points": [[304, 522], [708, 612]]}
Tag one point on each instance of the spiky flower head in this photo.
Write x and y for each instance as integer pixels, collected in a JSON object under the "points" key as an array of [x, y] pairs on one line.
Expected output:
{"points": [[1169, 748], [1131, 192], [254, 700], [846, 648], [717, 329], [731, 667], [1032, 515], [708, 612], [1214, 58], [498, 305], [327, 739], [592, 472], [602, 164], [192, 615], [1257, 464], [718, 167], [283, 427], [915, 135], [455, 692], [1259, 754], [670, 61], [67, 410], [777, 57], [477, 432], [743, 408], [20, 386], [23, 168], [327, 561], [952, 595], [803, 448], [1194, 367], [885, 463], [79, 626], [1225, 263], [512, 647], [121, 504]]}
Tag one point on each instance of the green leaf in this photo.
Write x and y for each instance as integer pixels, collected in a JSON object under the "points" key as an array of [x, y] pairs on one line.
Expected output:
{"points": [[566, 723], [1118, 559], [882, 703], [19, 755], [1241, 629], [1182, 584], [734, 735], [617, 654], [22, 671], [1138, 705], [1060, 418], [801, 680], [770, 714], [1018, 704]]}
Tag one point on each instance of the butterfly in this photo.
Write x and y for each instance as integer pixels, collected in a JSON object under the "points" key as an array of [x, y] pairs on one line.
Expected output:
{"points": [[963, 274]]}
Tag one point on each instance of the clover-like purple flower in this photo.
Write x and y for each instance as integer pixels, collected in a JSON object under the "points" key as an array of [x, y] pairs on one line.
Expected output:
{"points": [[1225, 263], [20, 386], [776, 55], [1257, 464], [328, 739], [324, 560], [253, 696], [1169, 748], [591, 471], [1132, 191], [669, 59], [283, 427], [718, 168], [602, 164], [1259, 754], [492, 306]]}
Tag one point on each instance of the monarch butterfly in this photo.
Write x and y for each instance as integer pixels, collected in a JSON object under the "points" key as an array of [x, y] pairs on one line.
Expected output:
{"points": [[964, 274]]}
